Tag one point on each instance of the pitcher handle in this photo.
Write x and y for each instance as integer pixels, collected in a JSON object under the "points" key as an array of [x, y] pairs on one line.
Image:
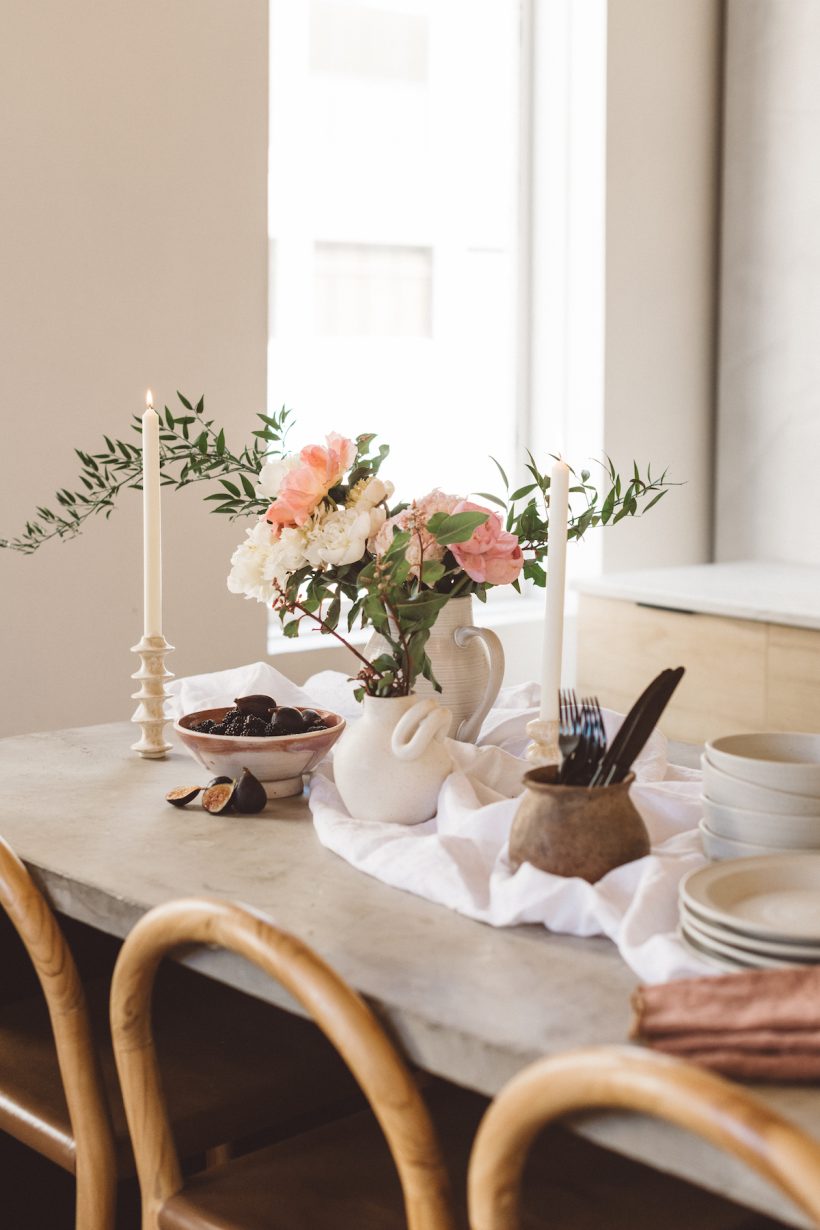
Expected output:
{"points": [[491, 644], [417, 728]]}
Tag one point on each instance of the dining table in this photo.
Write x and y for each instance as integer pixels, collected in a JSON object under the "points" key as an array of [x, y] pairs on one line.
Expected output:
{"points": [[466, 1001]]}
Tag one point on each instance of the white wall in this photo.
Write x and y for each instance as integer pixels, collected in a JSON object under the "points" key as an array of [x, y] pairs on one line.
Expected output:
{"points": [[769, 434], [133, 253], [663, 96]]}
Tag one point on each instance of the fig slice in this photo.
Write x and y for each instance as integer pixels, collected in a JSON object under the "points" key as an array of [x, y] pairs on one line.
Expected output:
{"points": [[219, 781], [257, 706], [218, 799], [250, 796], [181, 795]]}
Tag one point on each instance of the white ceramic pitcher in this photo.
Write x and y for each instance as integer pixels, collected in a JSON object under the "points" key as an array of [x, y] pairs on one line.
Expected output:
{"points": [[467, 661], [390, 764]]}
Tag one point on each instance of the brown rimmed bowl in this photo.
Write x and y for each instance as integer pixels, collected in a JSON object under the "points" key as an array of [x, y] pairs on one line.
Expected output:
{"points": [[278, 761]]}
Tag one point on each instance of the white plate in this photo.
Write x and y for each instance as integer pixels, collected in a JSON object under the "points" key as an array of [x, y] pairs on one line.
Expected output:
{"points": [[778, 760], [732, 791], [776, 896], [761, 827], [711, 958], [740, 957], [717, 847], [804, 954]]}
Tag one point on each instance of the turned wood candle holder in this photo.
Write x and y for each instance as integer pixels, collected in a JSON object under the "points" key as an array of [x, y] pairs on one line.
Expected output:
{"points": [[543, 747], [150, 712], [582, 831]]}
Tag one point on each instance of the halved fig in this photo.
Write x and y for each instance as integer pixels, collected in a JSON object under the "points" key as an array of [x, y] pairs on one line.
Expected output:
{"points": [[181, 795], [218, 799], [219, 781]]}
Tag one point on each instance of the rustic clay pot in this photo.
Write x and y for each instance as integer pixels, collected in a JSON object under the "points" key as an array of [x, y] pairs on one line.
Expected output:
{"points": [[576, 830]]}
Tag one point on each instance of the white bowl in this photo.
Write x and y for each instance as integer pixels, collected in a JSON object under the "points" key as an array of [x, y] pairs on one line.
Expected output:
{"points": [[734, 792], [716, 847], [763, 828], [779, 761]]}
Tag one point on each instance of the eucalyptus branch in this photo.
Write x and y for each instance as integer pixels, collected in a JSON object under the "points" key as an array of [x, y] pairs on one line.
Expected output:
{"points": [[192, 450]]}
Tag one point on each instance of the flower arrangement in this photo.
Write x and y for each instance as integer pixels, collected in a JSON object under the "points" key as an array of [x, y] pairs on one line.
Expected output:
{"points": [[326, 536]]}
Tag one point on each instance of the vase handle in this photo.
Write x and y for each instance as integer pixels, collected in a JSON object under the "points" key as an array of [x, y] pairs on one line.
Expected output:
{"points": [[491, 644], [417, 728]]}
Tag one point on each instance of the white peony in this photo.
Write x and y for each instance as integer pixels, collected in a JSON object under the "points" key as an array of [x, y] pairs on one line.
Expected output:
{"points": [[338, 538], [273, 473], [261, 560], [369, 492]]}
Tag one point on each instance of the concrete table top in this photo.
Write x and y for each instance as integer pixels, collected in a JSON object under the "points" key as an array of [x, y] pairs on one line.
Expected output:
{"points": [[467, 1001]]}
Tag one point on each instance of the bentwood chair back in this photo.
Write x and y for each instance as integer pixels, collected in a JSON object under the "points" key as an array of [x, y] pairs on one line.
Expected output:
{"points": [[340, 1013], [94, 1160], [623, 1078]]}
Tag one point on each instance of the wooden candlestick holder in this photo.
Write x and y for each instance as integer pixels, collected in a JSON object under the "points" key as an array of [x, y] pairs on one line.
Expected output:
{"points": [[543, 747], [150, 712]]}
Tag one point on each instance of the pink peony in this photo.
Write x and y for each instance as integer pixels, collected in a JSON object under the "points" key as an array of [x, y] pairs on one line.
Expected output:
{"points": [[492, 554], [308, 483]]}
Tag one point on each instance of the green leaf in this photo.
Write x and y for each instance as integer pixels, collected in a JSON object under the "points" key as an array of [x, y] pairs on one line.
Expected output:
{"points": [[500, 468], [432, 570], [184, 401], [522, 491], [457, 527], [220, 443], [247, 487], [485, 495]]}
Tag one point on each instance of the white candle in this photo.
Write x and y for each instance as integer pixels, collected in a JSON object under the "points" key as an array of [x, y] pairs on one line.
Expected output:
{"points": [[151, 522], [556, 577]]}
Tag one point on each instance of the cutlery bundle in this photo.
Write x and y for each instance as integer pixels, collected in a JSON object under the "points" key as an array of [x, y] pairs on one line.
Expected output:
{"points": [[587, 760]]}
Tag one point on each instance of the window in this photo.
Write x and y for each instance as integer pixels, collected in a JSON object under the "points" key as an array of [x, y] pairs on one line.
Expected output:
{"points": [[394, 175]]}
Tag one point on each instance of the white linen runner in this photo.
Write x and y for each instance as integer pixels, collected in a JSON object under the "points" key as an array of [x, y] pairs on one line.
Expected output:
{"points": [[459, 858]]}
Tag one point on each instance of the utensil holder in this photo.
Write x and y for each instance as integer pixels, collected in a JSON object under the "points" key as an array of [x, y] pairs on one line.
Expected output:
{"points": [[576, 830]]}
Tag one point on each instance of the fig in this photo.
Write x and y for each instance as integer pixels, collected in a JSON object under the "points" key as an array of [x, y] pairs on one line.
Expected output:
{"points": [[219, 781], [219, 799], [250, 796], [181, 795], [288, 722], [255, 706], [310, 717]]}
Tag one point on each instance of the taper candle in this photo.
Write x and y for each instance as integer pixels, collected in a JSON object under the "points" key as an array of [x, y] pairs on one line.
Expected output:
{"points": [[556, 580], [151, 522]]}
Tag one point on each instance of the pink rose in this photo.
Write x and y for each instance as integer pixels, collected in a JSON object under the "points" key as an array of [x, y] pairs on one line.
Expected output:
{"points": [[305, 486], [492, 554]]}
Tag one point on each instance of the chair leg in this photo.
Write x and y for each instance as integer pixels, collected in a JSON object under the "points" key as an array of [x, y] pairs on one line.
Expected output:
{"points": [[218, 1155], [96, 1200]]}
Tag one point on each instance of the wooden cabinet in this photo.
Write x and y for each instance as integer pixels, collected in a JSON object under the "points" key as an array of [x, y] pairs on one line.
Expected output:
{"points": [[741, 674]]}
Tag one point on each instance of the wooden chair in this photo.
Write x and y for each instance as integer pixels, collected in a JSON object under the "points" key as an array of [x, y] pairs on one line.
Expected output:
{"points": [[58, 1087], [625, 1078], [338, 1176]]}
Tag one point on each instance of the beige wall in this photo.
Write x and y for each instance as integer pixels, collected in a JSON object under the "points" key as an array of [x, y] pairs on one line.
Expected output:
{"points": [[769, 435], [662, 147], [133, 252]]}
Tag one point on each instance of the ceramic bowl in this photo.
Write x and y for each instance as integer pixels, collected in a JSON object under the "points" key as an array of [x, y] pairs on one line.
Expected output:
{"points": [[732, 791], [763, 828], [278, 761], [716, 847], [779, 761]]}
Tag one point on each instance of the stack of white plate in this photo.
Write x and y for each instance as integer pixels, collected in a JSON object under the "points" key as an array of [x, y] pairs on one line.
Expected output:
{"points": [[754, 913], [761, 794]]}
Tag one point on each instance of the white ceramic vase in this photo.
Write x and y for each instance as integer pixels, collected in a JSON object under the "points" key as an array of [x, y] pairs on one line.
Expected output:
{"points": [[390, 764], [467, 661]]}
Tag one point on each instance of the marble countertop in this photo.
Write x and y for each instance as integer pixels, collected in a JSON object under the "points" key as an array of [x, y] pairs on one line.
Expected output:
{"points": [[469, 1002], [747, 589]]}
